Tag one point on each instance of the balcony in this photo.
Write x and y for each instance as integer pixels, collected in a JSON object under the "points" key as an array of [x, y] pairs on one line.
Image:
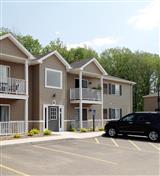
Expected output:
{"points": [[12, 86], [88, 94]]}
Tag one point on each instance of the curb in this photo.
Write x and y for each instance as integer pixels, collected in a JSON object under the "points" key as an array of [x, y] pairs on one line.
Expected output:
{"points": [[51, 138]]}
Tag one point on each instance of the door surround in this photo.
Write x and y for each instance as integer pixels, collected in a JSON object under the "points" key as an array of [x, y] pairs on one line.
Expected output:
{"points": [[45, 116]]}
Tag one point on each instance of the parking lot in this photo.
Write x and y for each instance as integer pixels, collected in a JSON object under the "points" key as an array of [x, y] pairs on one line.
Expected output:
{"points": [[93, 156]]}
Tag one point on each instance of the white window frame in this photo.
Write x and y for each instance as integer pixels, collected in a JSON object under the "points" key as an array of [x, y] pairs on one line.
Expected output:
{"points": [[8, 105], [53, 115], [53, 70]]}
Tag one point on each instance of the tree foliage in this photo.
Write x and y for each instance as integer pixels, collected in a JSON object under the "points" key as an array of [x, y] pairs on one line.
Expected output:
{"points": [[135, 66], [140, 67]]}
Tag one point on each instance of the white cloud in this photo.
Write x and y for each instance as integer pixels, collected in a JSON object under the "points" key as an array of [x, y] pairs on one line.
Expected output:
{"points": [[95, 43], [57, 33], [148, 18]]}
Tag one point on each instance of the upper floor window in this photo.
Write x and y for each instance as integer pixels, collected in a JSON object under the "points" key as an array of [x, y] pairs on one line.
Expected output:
{"points": [[53, 78], [115, 89]]}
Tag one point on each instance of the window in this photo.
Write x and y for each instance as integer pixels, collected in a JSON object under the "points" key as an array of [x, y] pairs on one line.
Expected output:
{"points": [[52, 113], [104, 113], [4, 113], [115, 89], [105, 88], [53, 78], [84, 114], [115, 113], [129, 118], [84, 83]]}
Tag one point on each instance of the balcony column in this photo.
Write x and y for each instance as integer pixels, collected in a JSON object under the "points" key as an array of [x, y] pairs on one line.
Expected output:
{"points": [[101, 79], [80, 99], [26, 100]]}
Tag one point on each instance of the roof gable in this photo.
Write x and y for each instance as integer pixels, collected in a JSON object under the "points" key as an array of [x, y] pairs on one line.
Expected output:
{"points": [[17, 44], [56, 53]]}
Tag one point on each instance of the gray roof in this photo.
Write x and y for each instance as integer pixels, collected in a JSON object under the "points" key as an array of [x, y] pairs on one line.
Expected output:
{"points": [[80, 63], [109, 77], [151, 95]]}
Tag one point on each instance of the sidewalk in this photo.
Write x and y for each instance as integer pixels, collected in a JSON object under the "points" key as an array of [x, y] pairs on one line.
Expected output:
{"points": [[58, 136]]}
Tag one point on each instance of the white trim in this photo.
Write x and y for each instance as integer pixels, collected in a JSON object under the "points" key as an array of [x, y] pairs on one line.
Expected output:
{"points": [[18, 44], [8, 105], [118, 80], [35, 121], [59, 106], [87, 102], [61, 78], [15, 59], [102, 99], [56, 53], [97, 64], [21, 97]]}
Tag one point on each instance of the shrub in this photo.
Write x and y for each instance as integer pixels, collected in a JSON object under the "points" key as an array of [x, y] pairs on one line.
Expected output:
{"points": [[83, 130], [90, 129], [30, 133], [17, 136], [73, 129], [47, 132], [35, 131], [100, 129]]}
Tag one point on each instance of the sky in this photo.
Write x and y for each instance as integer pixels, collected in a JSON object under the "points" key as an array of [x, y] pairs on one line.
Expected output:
{"points": [[97, 24]]}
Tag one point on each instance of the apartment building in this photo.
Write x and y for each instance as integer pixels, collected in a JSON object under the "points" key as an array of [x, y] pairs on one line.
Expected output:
{"points": [[47, 92]]}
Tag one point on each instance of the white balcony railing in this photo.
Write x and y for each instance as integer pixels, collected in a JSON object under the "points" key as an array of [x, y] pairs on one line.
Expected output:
{"points": [[12, 86], [87, 94], [12, 127]]}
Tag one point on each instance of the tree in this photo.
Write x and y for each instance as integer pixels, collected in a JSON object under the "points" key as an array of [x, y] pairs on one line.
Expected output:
{"points": [[135, 66], [31, 44]]}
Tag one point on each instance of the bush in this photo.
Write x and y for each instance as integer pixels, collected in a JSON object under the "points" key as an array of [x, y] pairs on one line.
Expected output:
{"points": [[35, 131], [47, 132], [90, 129], [73, 129], [30, 133], [83, 130], [100, 129], [17, 136]]}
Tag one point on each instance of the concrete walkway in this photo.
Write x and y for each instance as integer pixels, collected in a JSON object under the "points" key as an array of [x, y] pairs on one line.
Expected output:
{"points": [[58, 136]]}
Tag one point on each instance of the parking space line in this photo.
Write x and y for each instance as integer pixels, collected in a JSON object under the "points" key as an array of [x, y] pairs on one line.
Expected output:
{"points": [[158, 148], [114, 142], [97, 141], [76, 154], [13, 170], [135, 145]]}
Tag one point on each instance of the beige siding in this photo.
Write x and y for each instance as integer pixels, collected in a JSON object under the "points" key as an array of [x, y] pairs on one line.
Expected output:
{"points": [[16, 108], [150, 103], [92, 83], [9, 48], [92, 68], [46, 94], [116, 101], [34, 95], [16, 70]]}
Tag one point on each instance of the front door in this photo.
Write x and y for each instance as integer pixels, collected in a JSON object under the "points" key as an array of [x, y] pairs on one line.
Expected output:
{"points": [[54, 117]]}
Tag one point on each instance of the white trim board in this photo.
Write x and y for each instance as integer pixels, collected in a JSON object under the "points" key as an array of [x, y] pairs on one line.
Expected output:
{"points": [[18, 44], [56, 53], [97, 64], [53, 70]]}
